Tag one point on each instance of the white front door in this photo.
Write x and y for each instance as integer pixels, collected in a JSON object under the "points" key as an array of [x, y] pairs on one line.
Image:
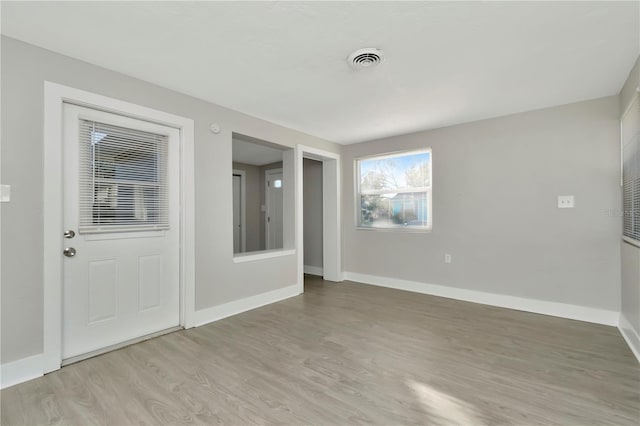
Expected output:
{"points": [[121, 200], [275, 207]]}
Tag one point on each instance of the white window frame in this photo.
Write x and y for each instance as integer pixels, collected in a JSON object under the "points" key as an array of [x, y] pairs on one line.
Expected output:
{"points": [[427, 189], [629, 109]]}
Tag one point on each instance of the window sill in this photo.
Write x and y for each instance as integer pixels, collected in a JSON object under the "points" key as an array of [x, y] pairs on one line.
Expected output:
{"points": [[631, 241], [399, 229], [266, 254]]}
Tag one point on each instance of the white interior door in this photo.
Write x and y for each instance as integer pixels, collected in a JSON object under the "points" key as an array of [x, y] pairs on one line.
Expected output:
{"points": [[121, 200], [274, 206], [237, 211]]}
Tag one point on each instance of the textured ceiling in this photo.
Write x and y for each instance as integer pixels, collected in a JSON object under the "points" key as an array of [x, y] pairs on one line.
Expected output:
{"points": [[446, 62]]}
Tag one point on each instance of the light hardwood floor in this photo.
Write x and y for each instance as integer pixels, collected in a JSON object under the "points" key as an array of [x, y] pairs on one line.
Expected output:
{"points": [[350, 354]]}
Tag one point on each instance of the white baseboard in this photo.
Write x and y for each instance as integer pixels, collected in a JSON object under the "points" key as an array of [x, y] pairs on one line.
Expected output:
{"points": [[630, 335], [225, 310], [20, 371], [313, 270], [31, 367], [563, 310]]}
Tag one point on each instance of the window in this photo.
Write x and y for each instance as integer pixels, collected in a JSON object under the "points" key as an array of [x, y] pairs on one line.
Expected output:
{"points": [[259, 215], [631, 172], [123, 179], [394, 191]]}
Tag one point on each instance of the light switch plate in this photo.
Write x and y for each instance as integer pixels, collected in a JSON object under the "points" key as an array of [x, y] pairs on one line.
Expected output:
{"points": [[566, 202], [5, 193]]}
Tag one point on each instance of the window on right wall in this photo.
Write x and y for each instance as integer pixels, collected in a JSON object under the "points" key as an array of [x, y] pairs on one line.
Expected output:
{"points": [[630, 137], [393, 191]]}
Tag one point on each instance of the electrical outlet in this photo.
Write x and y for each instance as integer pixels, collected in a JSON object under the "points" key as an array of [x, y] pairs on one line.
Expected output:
{"points": [[447, 258], [565, 202]]}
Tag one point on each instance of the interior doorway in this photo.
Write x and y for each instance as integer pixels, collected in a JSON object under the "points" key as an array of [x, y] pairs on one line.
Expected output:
{"points": [[312, 215], [330, 207]]}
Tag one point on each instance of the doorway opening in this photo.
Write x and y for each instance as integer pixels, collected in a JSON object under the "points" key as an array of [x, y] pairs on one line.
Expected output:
{"points": [[326, 214], [312, 215]]}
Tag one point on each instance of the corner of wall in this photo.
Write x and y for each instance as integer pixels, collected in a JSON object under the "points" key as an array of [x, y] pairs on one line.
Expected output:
{"points": [[556, 309], [225, 310], [630, 335], [21, 370]]}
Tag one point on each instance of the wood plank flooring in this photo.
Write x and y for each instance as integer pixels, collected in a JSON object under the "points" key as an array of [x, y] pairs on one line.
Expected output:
{"points": [[350, 354]]}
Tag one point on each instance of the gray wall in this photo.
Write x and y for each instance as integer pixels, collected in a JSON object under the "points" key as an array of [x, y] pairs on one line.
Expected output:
{"points": [[218, 279], [494, 197], [312, 212], [252, 206], [631, 254]]}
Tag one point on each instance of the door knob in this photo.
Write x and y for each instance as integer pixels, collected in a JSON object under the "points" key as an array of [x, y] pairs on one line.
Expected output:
{"points": [[69, 234], [69, 252]]}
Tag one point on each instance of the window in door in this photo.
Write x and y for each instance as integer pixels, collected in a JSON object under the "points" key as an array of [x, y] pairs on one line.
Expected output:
{"points": [[123, 179]]}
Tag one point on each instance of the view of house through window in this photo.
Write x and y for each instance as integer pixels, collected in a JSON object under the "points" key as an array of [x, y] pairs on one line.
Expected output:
{"points": [[394, 190]]}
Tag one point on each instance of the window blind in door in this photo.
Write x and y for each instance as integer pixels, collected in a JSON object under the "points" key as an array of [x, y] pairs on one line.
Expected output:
{"points": [[630, 134], [123, 179]]}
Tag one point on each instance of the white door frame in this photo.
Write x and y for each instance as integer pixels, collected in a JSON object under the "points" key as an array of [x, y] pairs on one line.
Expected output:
{"points": [[267, 204], [54, 97], [243, 208], [331, 228]]}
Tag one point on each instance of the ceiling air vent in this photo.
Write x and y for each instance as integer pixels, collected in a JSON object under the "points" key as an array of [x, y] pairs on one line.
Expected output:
{"points": [[365, 58]]}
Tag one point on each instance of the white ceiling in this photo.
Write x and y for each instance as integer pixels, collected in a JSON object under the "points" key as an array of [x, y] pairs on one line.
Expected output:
{"points": [[251, 151], [446, 62]]}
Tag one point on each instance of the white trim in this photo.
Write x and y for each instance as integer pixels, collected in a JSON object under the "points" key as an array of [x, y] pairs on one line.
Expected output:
{"points": [[313, 270], [20, 371], [243, 208], [29, 368], [635, 98], [621, 159], [331, 214], [630, 335], [399, 228], [225, 310], [54, 97], [394, 154], [261, 255], [562, 310], [631, 241]]}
